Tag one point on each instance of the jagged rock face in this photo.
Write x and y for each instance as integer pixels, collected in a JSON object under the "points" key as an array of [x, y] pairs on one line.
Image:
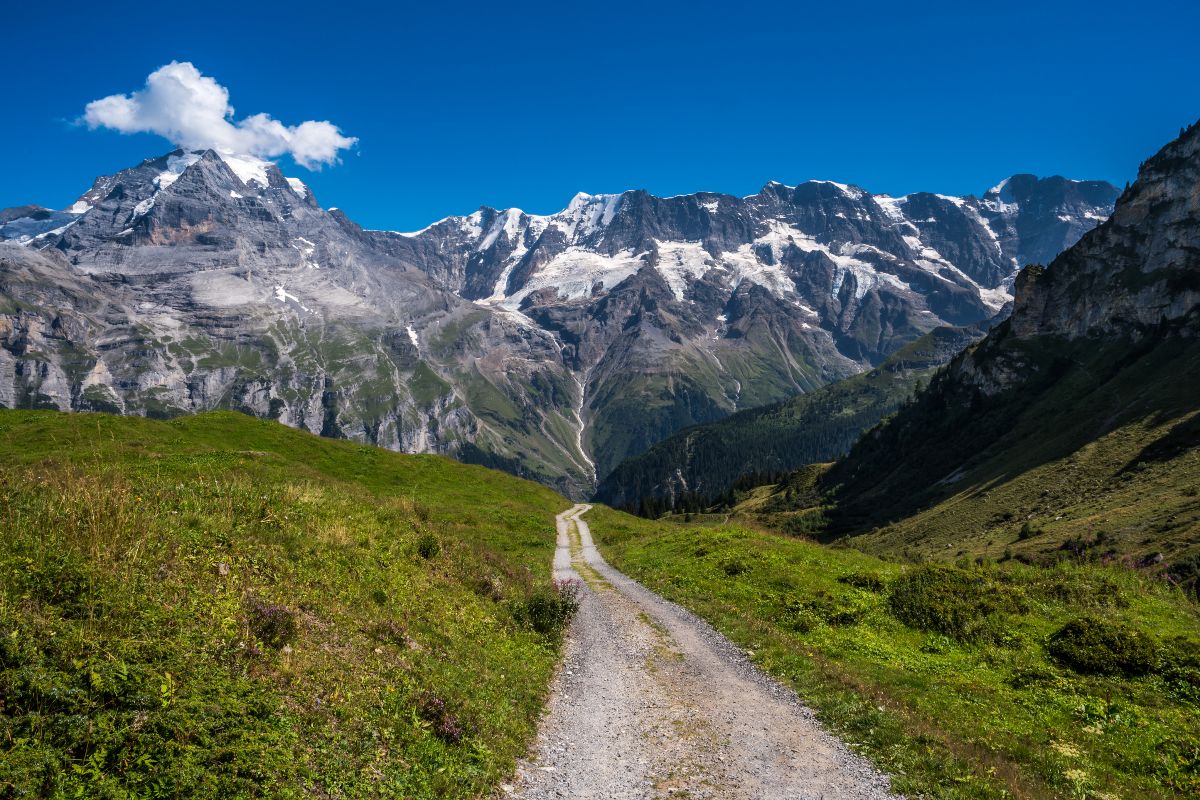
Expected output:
{"points": [[871, 273], [1139, 270], [1136, 273], [553, 346], [182, 285]]}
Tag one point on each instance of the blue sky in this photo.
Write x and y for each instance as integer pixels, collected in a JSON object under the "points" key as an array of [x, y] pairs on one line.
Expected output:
{"points": [[459, 105]]}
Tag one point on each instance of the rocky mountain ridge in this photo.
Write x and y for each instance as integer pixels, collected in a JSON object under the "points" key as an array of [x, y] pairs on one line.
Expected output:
{"points": [[552, 346]]}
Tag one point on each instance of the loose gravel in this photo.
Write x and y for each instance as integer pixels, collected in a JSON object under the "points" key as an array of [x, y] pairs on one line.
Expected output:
{"points": [[652, 702]]}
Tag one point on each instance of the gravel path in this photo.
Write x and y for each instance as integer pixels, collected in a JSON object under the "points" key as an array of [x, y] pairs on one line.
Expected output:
{"points": [[652, 702]]}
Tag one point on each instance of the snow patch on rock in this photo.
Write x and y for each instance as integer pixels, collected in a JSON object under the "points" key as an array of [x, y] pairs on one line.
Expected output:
{"points": [[679, 263], [248, 168], [176, 164], [575, 272]]}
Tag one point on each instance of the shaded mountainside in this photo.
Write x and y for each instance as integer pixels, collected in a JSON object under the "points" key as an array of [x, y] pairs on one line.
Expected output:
{"points": [[703, 462], [551, 346], [218, 606], [1073, 424]]}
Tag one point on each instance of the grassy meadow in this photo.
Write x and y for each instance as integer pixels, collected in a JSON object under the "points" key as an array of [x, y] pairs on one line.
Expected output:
{"points": [[221, 607], [970, 681]]}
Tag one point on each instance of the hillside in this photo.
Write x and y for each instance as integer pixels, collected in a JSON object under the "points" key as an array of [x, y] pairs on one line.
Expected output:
{"points": [[1074, 423], [219, 606], [701, 463]]}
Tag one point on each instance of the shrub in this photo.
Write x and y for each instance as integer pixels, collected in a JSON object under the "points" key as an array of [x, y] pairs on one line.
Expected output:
{"points": [[428, 546], [950, 600], [1028, 531], [1179, 766], [444, 725], [548, 609], [865, 581], [273, 625], [1180, 666], [802, 614], [798, 617], [489, 586], [59, 578], [1096, 647], [1080, 589], [389, 631], [806, 523], [1186, 575], [735, 567], [1025, 676]]}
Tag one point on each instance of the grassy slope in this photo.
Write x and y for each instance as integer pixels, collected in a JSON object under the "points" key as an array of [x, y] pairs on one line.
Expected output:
{"points": [[138, 571], [949, 718], [817, 426], [1102, 448]]}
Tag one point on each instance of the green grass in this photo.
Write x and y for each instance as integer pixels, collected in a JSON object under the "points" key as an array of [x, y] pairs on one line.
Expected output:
{"points": [[972, 707], [219, 606], [1109, 423], [426, 386], [1105, 500]]}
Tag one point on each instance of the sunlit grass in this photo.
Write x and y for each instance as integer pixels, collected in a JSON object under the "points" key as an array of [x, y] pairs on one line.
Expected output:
{"points": [[983, 713], [222, 607]]}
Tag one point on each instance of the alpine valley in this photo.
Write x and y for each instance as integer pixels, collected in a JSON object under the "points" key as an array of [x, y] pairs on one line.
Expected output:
{"points": [[553, 347]]}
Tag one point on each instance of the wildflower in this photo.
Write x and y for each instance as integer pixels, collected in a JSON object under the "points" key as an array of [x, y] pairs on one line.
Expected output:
{"points": [[1065, 749]]}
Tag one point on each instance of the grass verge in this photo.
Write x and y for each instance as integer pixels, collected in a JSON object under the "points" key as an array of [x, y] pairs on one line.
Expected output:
{"points": [[965, 699]]}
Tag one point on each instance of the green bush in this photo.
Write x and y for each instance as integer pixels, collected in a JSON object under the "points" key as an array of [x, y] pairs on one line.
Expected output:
{"points": [[548, 609], [735, 567], [865, 581], [802, 614], [953, 601], [444, 724], [57, 578], [1095, 647], [428, 546], [1080, 589], [273, 625]]}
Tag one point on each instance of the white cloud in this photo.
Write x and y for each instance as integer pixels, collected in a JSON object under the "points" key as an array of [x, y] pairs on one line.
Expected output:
{"points": [[193, 111]]}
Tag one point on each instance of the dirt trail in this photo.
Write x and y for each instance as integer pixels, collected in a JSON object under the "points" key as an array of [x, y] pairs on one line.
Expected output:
{"points": [[652, 702]]}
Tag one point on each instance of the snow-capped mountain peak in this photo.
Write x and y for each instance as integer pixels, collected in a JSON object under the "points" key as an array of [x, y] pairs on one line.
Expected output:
{"points": [[921, 246]]}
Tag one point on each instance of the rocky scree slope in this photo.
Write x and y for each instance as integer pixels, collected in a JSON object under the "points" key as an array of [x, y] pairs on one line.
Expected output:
{"points": [[551, 346]]}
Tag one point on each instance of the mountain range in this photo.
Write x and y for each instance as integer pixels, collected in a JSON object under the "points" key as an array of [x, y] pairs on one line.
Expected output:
{"points": [[1071, 429], [550, 346]]}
